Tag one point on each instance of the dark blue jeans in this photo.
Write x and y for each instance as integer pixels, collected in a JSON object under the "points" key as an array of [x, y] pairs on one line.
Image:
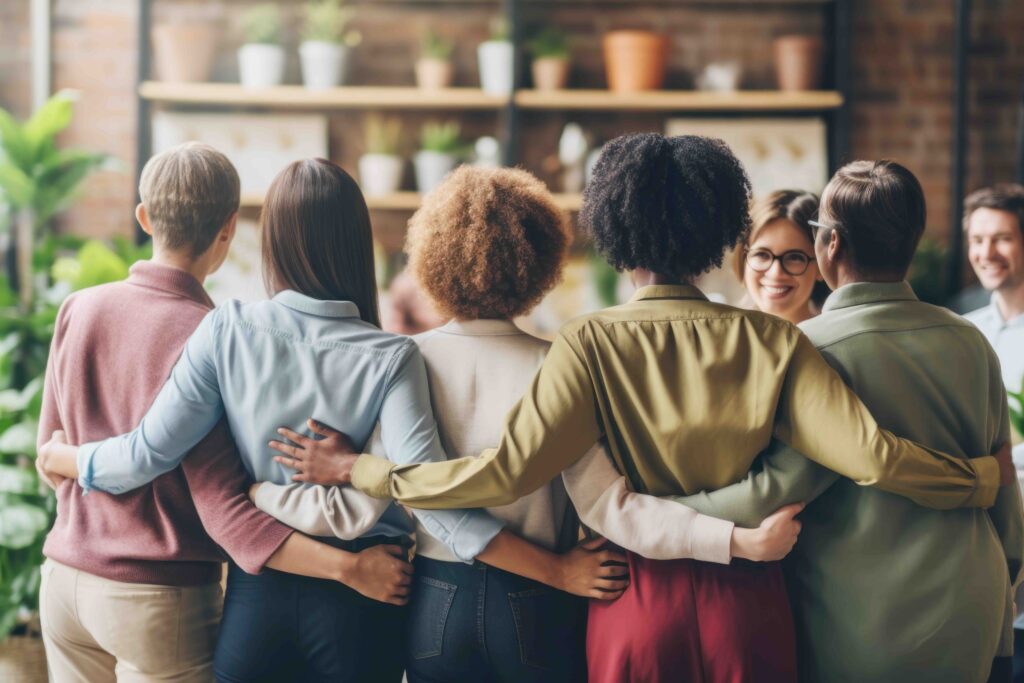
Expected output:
{"points": [[280, 627], [478, 623]]}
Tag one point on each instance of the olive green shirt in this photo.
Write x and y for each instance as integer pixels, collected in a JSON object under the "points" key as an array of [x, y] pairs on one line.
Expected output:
{"points": [[687, 393], [884, 590]]}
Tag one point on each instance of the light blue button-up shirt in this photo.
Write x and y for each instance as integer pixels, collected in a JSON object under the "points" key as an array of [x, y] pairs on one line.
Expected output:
{"points": [[1007, 338], [276, 363]]}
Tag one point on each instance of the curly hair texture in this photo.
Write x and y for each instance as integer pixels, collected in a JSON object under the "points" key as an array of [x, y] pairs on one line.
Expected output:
{"points": [[673, 206], [488, 243]]}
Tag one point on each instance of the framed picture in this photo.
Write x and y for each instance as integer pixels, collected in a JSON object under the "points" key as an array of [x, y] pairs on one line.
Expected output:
{"points": [[778, 153]]}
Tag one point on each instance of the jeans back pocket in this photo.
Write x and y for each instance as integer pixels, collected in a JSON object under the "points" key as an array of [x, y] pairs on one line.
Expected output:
{"points": [[549, 626], [428, 613]]}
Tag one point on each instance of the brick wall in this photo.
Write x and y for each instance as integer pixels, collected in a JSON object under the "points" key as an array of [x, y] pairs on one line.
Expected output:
{"points": [[902, 77]]}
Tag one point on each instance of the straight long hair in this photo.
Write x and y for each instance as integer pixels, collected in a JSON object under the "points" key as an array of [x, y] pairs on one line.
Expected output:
{"points": [[317, 238]]}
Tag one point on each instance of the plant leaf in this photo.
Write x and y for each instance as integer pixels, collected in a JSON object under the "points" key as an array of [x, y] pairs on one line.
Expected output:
{"points": [[21, 524], [50, 119], [20, 438], [14, 479]]}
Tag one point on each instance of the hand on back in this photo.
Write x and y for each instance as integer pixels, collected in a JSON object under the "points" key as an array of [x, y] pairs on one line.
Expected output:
{"points": [[326, 461]]}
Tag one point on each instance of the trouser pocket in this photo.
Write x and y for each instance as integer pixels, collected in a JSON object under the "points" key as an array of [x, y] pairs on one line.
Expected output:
{"points": [[549, 625], [428, 613]]}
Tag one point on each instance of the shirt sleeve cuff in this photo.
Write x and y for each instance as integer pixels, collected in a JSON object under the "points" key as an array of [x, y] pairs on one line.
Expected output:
{"points": [[987, 485], [711, 539], [476, 531], [84, 462], [372, 475]]}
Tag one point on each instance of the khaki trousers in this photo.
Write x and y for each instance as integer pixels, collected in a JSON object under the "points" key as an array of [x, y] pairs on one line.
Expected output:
{"points": [[99, 631]]}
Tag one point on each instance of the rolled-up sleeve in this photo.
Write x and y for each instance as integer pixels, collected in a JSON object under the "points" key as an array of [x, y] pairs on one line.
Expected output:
{"points": [[185, 410]]}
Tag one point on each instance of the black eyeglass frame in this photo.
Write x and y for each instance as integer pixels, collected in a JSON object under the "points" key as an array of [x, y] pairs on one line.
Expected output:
{"points": [[777, 257]]}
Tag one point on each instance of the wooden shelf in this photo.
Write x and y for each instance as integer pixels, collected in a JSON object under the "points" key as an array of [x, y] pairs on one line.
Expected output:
{"points": [[299, 97], [680, 100], [410, 201]]}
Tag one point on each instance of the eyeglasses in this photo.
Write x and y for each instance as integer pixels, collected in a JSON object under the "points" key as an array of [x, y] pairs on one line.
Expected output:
{"points": [[794, 262]]}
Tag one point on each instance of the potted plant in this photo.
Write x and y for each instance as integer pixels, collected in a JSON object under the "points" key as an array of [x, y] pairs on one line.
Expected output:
{"points": [[261, 59], [550, 66], [635, 60], [496, 58], [798, 62], [326, 43], [184, 52], [36, 181], [434, 68], [380, 168], [441, 147]]}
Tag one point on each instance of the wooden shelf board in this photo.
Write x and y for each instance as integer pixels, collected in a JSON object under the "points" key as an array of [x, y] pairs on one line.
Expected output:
{"points": [[299, 97], [680, 100], [410, 201]]}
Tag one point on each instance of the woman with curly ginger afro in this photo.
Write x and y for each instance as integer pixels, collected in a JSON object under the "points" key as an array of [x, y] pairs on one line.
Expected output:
{"points": [[686, 393], [486, 246]]}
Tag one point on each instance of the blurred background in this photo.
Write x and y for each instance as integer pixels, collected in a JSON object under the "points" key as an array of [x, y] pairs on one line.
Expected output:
{"points": [[400, 91]]}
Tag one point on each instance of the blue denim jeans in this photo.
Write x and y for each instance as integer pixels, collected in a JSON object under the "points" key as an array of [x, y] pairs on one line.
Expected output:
{"points": [[280, 627], [478, 623]]}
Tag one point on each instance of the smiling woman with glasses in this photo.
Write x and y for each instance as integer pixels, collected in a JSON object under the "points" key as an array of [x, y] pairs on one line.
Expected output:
{"points": [[777, 264]]}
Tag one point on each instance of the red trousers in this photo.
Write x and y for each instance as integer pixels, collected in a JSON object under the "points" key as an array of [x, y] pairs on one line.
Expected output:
{"points": [[694, 622]]}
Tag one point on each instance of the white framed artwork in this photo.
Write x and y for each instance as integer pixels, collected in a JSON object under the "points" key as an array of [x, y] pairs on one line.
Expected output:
{"points": [[778, 153]]}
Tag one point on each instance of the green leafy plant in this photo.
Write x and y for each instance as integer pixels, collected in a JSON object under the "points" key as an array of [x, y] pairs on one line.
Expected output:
{"points": [[500, 30], [1017, 408], [262, 24], [445, 138], [327, 21], [928, 271], [36, 181], [549, 42], [383, 134], [435, 46]]}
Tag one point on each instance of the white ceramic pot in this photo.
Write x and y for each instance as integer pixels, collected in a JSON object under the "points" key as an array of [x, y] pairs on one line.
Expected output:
{"points": [[497, 66], [261, 65], [380, 174], [323, 64], [431, 168]]}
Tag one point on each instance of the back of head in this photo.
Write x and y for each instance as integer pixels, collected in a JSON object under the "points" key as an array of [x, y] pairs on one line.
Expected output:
{"points": [[669, 205], [488, 243], [879, 210], [317, 238], [189, 192], [1008, 197]]}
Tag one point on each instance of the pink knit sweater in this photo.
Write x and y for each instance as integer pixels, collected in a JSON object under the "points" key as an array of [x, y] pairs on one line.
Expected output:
{"points": [[113, 349]]}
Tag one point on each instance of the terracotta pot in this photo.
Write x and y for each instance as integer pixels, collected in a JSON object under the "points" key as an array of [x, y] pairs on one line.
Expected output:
{"points": [[635, 60], [184, 52], [550, 73], [798, 62], [433, 73]]}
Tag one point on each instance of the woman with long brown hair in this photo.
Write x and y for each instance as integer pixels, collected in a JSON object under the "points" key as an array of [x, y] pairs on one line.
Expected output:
{"points": [[314, 349]]}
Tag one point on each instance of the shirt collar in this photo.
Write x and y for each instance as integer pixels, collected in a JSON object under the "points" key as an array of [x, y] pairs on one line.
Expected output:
{"points": [[481, 328], [324, 309], [168, 279], [860, 293], [997, 315], [668, 292]]}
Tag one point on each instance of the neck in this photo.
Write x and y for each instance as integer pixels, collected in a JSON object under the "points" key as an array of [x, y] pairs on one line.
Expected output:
{"points": [[644, 278], [197, 268], [801, 315], [847, 276], [1010, 301]]}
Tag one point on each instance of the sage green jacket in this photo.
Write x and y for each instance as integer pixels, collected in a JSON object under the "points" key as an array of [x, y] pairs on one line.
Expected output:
{"points": [[884, 590]]}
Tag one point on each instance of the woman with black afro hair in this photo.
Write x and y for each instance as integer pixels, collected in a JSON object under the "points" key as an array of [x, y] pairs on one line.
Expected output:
{"points": [[686, 393]]}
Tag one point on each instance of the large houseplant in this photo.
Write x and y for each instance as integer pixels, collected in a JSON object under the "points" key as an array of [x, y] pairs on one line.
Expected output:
{"points": [[36, 181]]}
